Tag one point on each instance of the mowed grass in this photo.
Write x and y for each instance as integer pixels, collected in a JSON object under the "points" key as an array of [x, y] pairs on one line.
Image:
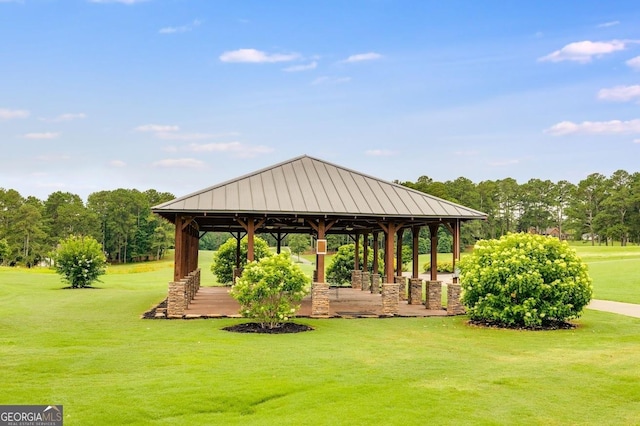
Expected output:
{"points": [[90, 351]]}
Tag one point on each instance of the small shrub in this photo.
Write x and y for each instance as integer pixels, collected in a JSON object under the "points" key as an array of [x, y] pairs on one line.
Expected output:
{"points": [[80, 261], [443, 266], [270, 290], [524, 280], [343, 263]]}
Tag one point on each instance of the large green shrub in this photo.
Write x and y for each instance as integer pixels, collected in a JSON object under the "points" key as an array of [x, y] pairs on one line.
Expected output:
{"points": [[524, 280], [224, 260], [343, 263], [443, 266], [80, 261], [270, 290]]}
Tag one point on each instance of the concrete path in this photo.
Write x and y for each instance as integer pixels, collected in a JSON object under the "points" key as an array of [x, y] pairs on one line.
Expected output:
{"points": [[628, 309]]}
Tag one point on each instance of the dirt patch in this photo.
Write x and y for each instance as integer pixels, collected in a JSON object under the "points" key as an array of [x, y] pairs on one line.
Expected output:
{"points": [[550, 325], [254, 327]]}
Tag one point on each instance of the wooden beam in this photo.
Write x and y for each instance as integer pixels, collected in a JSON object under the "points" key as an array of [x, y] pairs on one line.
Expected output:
{"points": [[356, 259], [365, 252], [433, 230], [320, 257], [376, 248], [250, 243], [399, 233], [456, 249], [388, 251], [179, 249], [415, 234]]}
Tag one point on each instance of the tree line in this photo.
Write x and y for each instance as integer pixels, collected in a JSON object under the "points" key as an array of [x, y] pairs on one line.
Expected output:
{"points": [[121, 220], [598, 209]]}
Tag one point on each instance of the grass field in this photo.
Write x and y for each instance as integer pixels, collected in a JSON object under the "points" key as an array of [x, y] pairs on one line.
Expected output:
{"points": [[88, 350]]}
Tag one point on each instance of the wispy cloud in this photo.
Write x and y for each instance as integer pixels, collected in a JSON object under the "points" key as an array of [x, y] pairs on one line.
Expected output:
{"points": [[379, 153], [636, 141], [181, 163], [117, 163], [608, 24], [65, 117], [595, 127], [185, 136], [330, 80], [53, 158], [503, 163], [584, 51], [10, 114], [238, 149], [363, 57], [44, 135], [157, 128], [298, 68], [620, 93], [634, 63], [180, 29], [256, 56]]}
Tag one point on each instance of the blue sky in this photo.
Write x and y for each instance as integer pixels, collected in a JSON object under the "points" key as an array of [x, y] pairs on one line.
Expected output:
{"points": [[178, 95]]}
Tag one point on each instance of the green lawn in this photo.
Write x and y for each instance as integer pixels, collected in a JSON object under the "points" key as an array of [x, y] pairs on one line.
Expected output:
{"points": [[88, 350]]}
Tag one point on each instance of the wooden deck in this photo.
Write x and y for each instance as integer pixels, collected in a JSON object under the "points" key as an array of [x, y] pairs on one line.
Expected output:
{"points": [[215, 302]]}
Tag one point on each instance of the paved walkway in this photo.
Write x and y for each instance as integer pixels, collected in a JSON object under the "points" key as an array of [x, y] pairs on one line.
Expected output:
{"points": [[629, 309]]}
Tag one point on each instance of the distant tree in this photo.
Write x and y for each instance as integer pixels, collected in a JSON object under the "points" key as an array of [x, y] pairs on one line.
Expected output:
{"points": [[224, 260], [80, 261], [298, 243], [586, 204], [4, 250]]}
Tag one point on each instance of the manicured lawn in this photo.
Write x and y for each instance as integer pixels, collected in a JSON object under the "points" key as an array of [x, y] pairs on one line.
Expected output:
{"points": [[88, 350]]}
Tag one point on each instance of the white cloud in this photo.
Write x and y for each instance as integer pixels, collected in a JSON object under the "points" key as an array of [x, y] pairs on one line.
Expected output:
{"points": [[9, 114], [236, 148], [595, 127], [181, 29], [185, 136], [330, 80], [157, 128], [53, 158], [65, 117], [634, 63], [189, 163], [620, 93], [44, 135], [608, 24], [379, 153], [584, 51], [256, 56], [636, 141], [117, 163], [297, 68], [363, 57]]}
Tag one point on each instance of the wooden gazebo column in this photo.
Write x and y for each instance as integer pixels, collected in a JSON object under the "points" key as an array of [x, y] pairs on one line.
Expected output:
{"points": [[320, 289], [366, 276], [434, 287], [186, 276], [375, 267], [433, 231], [415, 283], [250, 225], [402, 284], [389, 288]]}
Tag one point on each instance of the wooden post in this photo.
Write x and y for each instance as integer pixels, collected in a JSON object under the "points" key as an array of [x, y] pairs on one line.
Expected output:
{"points": [[279, 243], [238, 239], [433, 230], [389, 232], [320, 257], [456, 248], [400, 233], [365, 252], [376, 248], [356, 260], [415, 233], [250, 233], [179, 250]]}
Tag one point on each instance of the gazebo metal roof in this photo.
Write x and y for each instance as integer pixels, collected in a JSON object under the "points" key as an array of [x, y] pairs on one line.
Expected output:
{"points": [[306, 187]]}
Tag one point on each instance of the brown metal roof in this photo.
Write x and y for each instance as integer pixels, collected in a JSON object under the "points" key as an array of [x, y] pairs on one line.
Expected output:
{"points": [[307, 186]]}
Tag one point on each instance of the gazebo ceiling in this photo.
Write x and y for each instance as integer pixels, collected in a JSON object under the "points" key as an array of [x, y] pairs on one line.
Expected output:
{"points": [[288, 194]]}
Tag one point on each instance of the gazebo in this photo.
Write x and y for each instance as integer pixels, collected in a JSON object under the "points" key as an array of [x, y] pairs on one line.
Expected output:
{"points": [[311, 196]]}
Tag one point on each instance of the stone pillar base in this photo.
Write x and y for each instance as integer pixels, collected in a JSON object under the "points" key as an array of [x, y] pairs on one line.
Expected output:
{"points": [[454, 306], [176, 301], [356, 279], [389, 299], [402, 289], [434, 295], [415, 291], [366, 281], [320, 300], [375, 283]]}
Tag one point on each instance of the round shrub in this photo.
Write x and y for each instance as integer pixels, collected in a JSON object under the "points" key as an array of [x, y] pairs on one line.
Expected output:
{"points": [[80, 261], [224, 260], [524, 280], [270, 290]]}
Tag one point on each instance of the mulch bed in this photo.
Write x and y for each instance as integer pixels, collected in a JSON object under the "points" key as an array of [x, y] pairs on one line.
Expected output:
{"points": [[551, 325], [254, 327], [151, 313]]}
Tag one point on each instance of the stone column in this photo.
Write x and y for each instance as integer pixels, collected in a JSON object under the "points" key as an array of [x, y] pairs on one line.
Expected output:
{"points": [[375, 283], [434, 295], [389, 299], [402, 287], [366, 281], [454, 306], [176, 303], [356, 279], [415, 291], [320, 300]]}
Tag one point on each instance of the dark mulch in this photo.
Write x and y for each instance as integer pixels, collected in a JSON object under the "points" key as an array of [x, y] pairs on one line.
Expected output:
{"points": [[151, 313], [254, 327], [549, 325]]}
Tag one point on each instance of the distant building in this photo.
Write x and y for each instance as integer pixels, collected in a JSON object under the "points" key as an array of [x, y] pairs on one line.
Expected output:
{"points": [[550, 232]]}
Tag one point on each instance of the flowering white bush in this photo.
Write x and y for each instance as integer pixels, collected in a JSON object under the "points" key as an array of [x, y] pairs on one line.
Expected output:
{"points": [[270, 290], [524, 280], [80, 261]]}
